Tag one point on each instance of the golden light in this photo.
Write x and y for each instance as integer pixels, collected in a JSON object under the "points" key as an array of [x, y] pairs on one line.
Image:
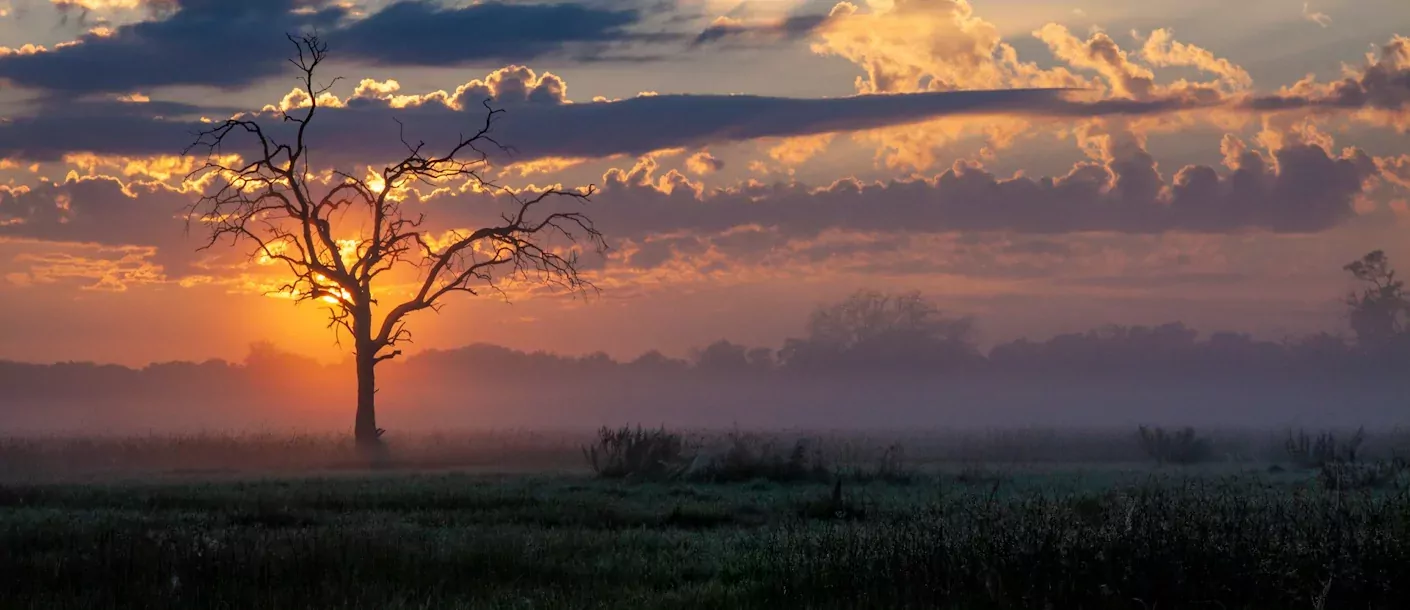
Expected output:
{"points": [[348, 250], [339, 296], [374, 181]]}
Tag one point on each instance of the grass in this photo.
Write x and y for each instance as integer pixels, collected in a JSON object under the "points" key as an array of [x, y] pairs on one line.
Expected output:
{"points": [[966, 534]]}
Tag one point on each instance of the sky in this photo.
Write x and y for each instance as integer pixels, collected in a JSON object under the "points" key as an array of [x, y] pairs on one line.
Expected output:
{"points": [[1044, 167]]}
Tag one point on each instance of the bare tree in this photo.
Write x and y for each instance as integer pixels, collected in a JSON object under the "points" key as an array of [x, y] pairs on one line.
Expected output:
{"points": [[269, 202]]}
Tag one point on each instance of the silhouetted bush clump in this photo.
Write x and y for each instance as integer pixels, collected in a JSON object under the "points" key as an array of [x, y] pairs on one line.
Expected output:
{"points": [[1182, 447], [636, 453], [747, 457], [1310, 453], [1355, 476]]}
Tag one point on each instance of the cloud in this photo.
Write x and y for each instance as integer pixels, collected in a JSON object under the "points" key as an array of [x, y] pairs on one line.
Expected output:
{"points": [[201, 42], [727, 29], [703, 162], [99, 5], [537, 122], [940, 45], [1102, 55], [105, 212], [485, 31], [1301, 188], [1318, 18], [1381, 84], [927, 45], [667, 223], [1161, 49], [107, 269], [234, 44]]}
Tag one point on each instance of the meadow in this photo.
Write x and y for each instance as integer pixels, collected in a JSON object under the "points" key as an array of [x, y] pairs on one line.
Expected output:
{"points": [[935, 519]]}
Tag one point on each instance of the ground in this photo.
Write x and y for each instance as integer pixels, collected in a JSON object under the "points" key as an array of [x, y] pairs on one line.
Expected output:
{"points": [[948, 535]]}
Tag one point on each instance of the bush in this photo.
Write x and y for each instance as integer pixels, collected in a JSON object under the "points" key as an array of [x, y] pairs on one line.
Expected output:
{"points": [[636, 453], [1352, 476], [891, 466], [1182, 447], [1326, 449], [836, 506], [748, 457]]}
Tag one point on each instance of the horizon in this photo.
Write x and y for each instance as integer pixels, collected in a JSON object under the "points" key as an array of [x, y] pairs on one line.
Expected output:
{"points": [[691, 353]]}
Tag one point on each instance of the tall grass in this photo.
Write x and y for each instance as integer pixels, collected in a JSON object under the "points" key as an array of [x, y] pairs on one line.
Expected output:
{"points": [[1232, 545], [455, 541]]}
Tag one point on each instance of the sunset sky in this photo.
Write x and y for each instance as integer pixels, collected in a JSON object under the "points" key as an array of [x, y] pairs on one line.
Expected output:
{"points": [[1208, 161]]}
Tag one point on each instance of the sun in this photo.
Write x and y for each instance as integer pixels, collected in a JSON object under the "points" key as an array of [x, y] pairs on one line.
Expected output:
{"points": [[337, 295]]}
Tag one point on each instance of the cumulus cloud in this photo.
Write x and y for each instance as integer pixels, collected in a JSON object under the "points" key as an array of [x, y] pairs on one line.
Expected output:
{"points": [[703, 162], [1161, 49], [928, 45], [1381, 85], [95, 210], [937, 45], [791, 152], [1100, 54], [1299, 188]]}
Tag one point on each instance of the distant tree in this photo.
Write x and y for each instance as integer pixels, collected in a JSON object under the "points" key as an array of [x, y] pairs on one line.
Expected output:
{"points": [[269, 201], [868, 315], [722, 356], [1377, 313], [761, 358], [876, 329], [657, 362]]}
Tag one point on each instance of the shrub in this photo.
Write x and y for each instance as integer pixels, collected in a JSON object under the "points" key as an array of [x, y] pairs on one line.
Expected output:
{"points": [[748, 457], [974, 474], [1352, 476], [1181, 447], [836, 506], [1326, 449], [636, 453], [891, 466]]}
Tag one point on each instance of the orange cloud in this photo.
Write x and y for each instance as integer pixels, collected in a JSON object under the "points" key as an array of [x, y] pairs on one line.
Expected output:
{"points": [[99, 5], [1102, 55], [792, 152], [703, 163], [1161, 49], [101, 268]]}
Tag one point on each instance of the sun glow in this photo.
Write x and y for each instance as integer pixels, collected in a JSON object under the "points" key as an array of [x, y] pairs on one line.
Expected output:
{"points": [[333, 294]]}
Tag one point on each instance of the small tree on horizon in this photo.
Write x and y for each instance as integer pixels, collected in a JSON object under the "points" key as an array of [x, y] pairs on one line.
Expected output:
{"points": [[269, 201], [1378, 313]]}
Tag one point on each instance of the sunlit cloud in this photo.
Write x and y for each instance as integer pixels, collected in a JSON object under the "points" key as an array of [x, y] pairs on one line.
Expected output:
{"points": [[1316, 17], [703, 163]]}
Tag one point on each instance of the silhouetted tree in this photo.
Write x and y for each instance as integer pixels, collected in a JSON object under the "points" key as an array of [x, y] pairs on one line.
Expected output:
{"points": [[722, 357], [879, 330], [656, 362], [1378, 312], [269, 201], [761, 358]]}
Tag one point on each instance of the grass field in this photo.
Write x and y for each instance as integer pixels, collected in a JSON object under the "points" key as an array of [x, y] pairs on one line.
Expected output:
{"points": [[952, 535]]}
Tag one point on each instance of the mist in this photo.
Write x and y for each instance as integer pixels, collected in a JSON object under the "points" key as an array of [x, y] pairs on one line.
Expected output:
{"points": [[871, 363]]}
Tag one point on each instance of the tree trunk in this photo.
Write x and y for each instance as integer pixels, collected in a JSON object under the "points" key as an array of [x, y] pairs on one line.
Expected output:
{"points": [[365, 431]]}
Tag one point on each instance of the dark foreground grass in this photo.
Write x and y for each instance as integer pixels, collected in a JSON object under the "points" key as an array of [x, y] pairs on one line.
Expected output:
{"points": [[461, 541]]}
